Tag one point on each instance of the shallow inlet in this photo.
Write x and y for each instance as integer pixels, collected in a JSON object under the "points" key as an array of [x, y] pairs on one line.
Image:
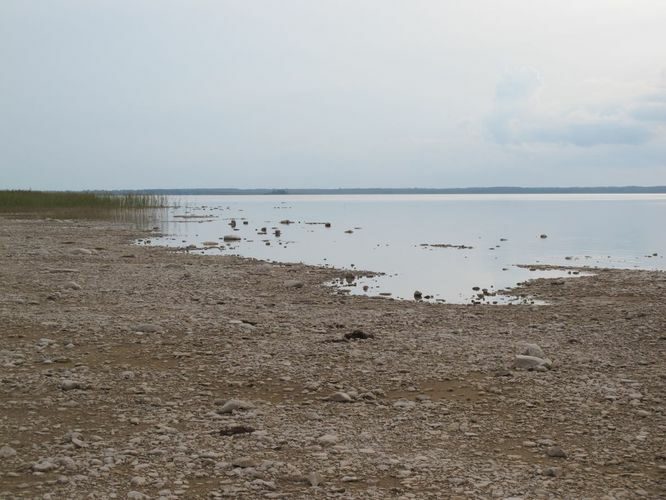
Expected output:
{"points": [[448, 247]]}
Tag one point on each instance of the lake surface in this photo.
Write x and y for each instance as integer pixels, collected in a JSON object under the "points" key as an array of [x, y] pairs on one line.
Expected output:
{"points": [[490, 236]]}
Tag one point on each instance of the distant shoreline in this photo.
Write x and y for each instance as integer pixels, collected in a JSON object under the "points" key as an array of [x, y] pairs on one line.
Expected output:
{"points": [[347, 191]]}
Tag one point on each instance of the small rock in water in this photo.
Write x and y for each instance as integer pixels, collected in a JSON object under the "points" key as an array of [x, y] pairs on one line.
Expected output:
{"points": [[543, 236], [231, 237], [418, 295]]}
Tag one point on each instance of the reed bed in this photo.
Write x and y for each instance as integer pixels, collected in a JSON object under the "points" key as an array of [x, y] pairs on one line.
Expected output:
{"points": [[84, 204]]}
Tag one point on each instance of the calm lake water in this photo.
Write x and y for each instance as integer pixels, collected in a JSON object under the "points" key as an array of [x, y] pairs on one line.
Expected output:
{"points": [[387, 234]]}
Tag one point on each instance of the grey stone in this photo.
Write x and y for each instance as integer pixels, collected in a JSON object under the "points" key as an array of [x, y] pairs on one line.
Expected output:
{"points": [[44, 466], [528, 349], [523, 362], [340, 397], [556, 452], [293, 284]]}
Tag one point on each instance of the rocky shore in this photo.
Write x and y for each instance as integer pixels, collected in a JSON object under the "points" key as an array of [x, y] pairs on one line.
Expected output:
{"points": [[139, 372]]}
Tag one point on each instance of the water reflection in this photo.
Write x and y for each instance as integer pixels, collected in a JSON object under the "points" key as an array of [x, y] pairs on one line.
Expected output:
{"points": [[441, 245]]}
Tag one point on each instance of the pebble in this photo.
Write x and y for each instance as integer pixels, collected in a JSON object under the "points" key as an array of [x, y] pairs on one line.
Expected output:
{"points": [[293, 284], [328, 439], [556, 452], [44, 466]]}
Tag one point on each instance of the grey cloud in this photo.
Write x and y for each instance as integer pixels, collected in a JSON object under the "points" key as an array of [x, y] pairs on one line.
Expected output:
{"points": [[651, 112], [516, 120], [592, 134]]}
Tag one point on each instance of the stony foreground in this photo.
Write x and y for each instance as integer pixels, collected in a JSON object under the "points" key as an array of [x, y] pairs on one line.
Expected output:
{"points": [[136, 372]]}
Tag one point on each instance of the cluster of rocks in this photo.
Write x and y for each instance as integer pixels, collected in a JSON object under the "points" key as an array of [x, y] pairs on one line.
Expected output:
{"points": [[169, 375]]}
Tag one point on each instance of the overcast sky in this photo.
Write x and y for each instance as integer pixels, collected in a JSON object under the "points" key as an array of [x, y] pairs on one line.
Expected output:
{"points": [[360, 93]]}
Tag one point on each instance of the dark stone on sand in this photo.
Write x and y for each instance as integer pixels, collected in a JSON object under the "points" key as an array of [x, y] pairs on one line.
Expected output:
{"points": [[359, 335]]}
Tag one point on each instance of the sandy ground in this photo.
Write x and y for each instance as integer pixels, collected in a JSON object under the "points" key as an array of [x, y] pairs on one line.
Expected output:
{"points": [[137, 372]]}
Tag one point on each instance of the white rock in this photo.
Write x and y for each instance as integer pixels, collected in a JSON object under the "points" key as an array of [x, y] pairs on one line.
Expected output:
{"points": [[7, 452], [404, 404], [234, 404], [44, 466], [527, 349], [523, 362]]}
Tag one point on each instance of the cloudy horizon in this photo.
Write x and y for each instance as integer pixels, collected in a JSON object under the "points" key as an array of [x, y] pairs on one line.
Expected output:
{"points": [[298, 94]]}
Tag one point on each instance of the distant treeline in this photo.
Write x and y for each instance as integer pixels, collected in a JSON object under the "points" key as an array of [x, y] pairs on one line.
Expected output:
{"points": [[469, 190]]}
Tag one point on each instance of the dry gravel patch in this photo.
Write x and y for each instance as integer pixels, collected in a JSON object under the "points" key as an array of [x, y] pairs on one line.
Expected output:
{"points": [[139, 372]]}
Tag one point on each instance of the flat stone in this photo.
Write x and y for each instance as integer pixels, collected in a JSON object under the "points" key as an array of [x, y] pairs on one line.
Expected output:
{"points": [[68, 385], [245, 462], [44, 466], [328, 439], [556, 452], [234, 404], [340, 397]]}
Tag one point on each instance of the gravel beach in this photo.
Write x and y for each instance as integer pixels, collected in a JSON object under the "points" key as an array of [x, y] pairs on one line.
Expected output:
{"points": [[137, 372]]}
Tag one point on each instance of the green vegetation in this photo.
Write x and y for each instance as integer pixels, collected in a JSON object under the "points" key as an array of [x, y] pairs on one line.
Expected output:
{"points": [[76, 203]]}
